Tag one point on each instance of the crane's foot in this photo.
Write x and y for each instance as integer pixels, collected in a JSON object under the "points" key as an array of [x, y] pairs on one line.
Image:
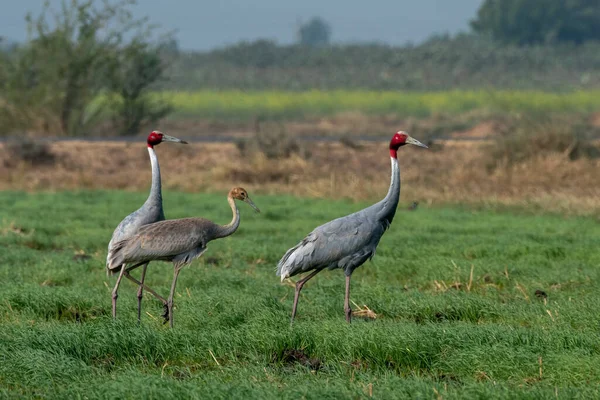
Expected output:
{"points": [[348, 312], [114, 305], [165, 313]]}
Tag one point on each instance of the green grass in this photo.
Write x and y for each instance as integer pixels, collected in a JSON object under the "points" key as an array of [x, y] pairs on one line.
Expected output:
{"points": [[282, 104], [232, 337]]}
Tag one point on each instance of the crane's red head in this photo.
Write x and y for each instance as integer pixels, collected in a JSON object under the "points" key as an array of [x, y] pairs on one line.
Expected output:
{"points": [[401, 138], [157, 137]]}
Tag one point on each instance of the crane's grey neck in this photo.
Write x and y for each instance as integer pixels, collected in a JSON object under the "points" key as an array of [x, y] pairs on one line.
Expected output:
{"points": [[390, 202], [155, 196], [230, 228]]}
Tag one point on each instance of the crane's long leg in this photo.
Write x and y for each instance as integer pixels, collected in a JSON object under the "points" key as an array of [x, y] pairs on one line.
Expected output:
{"points": [[115, 291], [152, 292], [347, 309], [170, 299], [140, 293], [299, 285]]}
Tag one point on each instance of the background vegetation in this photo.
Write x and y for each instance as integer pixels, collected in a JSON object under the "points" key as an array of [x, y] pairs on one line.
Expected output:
{"points": [[442, 63], [75, 54], [539, 21], [236, 104], [99, 67]]}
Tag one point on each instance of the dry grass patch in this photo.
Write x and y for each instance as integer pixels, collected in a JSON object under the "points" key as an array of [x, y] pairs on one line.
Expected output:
{"points": [[457, 173]]}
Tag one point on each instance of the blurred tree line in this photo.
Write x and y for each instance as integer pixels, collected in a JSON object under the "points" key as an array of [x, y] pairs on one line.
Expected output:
{"points": [[83, 65], [526, 22], [465, 61], [91, 65], [514, 44]]}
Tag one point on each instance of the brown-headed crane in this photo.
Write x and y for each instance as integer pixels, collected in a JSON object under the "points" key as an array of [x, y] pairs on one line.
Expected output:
{"points": [[179, 241]]}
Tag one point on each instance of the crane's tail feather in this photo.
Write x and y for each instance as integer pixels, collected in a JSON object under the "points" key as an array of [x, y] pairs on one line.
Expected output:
{"points": [[109, 272], [116, 257], [294, 259], [285, 265]]}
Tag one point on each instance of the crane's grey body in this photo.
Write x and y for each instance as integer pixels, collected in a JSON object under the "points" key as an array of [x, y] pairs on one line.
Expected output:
{"points": [[179, 241], [151, 211], [147, 214], [345, 242]]}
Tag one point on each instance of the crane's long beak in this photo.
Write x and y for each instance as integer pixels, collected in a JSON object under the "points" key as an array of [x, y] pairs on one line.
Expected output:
{"points": [[167, 138], [251, 203], [411, 140]]}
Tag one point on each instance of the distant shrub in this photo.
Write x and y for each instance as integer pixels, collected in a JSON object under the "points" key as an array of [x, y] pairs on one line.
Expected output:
{"points": [[75, 53], [261, 170], [523, 138], [271, 139], [350, 143], [30, 151]]}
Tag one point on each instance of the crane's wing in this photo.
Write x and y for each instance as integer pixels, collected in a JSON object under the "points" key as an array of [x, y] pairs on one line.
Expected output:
{"points": [[183, 239], [146, 214], [344, 242]]}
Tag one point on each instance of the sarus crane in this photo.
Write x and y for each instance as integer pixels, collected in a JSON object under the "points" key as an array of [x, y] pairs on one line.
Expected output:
{"points": [[349, 241], [151, 211], [179, 241]]}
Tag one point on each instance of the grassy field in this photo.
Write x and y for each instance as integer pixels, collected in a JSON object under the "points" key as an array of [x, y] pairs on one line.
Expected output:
{"points": [[453, 290], [282, 104]]}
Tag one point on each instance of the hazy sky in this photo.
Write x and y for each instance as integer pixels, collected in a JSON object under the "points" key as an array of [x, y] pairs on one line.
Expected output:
{"points": [[203, 25]]}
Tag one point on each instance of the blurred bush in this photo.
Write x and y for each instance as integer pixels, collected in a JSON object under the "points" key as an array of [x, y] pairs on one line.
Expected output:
{"points": [[31, 151], [521, 138], [89, 47], [272, 140]]}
